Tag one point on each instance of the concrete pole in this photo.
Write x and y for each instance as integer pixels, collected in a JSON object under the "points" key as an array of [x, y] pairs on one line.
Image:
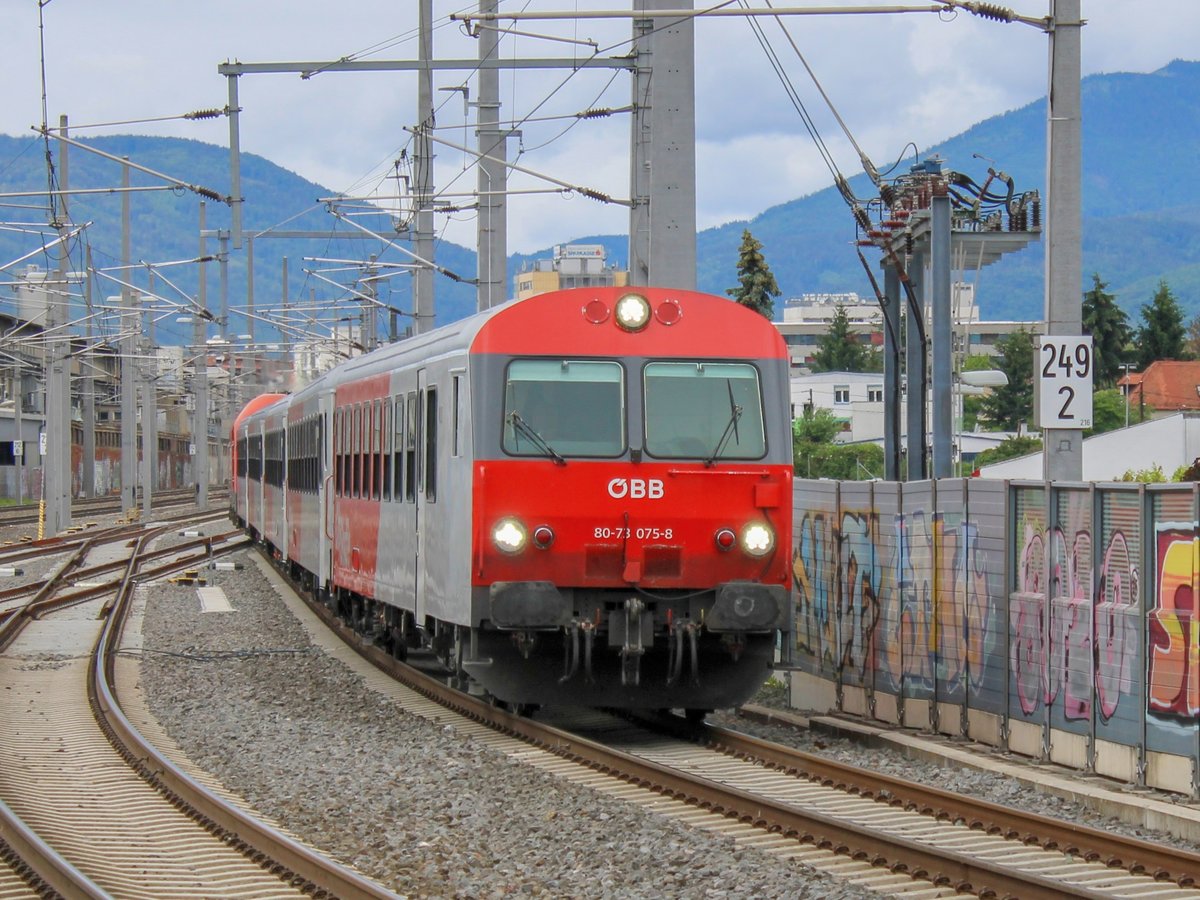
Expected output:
{"points": [[639, 155], [249, 287], [235, 162], [223, 455], [423, 307], [149, 414], [1063, 453], [663, 234], [56, 466], [130, 328], [150, 426], [200, 376], [492, 223], [942, 395], [87, 385]]}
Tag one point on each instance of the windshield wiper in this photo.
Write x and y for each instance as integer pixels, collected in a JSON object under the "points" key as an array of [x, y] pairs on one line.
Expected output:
{"points": [[735, 413], [523, 427]]}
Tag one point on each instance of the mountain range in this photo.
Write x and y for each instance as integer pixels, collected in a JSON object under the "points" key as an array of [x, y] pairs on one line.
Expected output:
{"points": [[1141, 135]]}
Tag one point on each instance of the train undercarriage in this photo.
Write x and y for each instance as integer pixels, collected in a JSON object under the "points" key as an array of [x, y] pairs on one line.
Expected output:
{"points": [[624, 653]]}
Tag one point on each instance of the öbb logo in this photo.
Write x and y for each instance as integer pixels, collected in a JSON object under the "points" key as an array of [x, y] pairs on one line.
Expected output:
{"points": [[635, 488]]}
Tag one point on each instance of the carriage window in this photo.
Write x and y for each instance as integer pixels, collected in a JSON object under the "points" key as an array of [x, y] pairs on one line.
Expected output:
{"points": [[356, 437], [398, 447], [338, 429], [385, 454], [431, 412], [410, 450], [564, 407], [376, 449], [456, 412], [701, 410]]}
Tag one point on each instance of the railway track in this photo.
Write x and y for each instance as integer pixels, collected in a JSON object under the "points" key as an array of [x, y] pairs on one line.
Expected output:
{"points": [[894, 835], [83, 508], [90, 808]]}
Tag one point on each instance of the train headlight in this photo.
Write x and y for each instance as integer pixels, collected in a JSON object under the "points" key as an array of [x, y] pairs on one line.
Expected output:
{"points": [[509, 536], [633, 312], [758, 539]]}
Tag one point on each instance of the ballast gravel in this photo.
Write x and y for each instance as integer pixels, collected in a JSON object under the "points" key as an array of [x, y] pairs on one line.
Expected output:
{"points": [[410, 804], [416, 807]]}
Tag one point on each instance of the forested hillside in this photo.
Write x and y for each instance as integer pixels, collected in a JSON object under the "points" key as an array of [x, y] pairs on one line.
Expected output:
{"points": [[1141, 137]]}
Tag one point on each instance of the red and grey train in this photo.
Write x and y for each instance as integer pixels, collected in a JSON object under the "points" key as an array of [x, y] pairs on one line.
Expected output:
{"points": [[579, 498]]}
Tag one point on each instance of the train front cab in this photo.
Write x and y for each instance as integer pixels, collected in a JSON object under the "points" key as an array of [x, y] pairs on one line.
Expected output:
{"points": [[632, 503]]}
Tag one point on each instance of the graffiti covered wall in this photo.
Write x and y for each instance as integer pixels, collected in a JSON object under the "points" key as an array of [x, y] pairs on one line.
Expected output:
{"points": [[1022, 600]]}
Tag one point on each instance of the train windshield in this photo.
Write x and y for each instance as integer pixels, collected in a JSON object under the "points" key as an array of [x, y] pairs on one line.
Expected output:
{"points": [[562, 408], [703, 410]]}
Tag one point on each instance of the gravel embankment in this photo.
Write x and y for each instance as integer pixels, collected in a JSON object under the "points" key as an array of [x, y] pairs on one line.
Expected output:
{"points": [[248, 698]]}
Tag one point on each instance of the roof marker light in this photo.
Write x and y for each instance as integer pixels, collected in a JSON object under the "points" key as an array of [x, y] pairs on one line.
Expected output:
{"points": [[633, 312], [669, 312], [596, 311]]}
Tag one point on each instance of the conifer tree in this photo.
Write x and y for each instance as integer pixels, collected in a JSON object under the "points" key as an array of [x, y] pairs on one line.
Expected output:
{"points": [[838, 349], [1109, 327], [1009, 406], [1162, 334], [756, 283]]}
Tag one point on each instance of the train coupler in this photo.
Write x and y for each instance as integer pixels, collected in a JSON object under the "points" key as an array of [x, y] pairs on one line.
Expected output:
{"points": [[525, 641], [633, 628]]}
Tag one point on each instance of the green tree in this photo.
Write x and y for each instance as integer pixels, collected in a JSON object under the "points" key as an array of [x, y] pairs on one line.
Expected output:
{"points": [[756, 284], [1010, 406], [1109, 327], [1009, 448], [1109, 412], [1161, 335], [839, 350], [815, 426]]}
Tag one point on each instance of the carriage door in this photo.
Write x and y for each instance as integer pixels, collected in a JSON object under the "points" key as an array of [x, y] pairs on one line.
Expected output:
{"points": [[416, 441]]}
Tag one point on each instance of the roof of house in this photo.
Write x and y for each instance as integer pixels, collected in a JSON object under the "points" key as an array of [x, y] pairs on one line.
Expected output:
{"points": [[1166, 384]]}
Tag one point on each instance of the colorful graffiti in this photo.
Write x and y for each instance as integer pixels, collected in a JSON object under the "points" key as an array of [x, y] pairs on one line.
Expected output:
{"points": [[1031, 603], [1173, 676], [904, 613], [1088, 642]]}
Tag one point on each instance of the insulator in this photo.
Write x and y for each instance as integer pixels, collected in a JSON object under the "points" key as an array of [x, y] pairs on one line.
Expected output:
{"points": [[210, 194], [887, 194], [992, 11], [861, 217], [595, 195], [594, 113], [863, 243], [908, 244], [1036, 209], [875, 233], [204, 114]]}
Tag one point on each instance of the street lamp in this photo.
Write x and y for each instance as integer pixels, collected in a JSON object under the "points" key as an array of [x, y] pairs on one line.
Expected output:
{"points": [[1125, 388]]}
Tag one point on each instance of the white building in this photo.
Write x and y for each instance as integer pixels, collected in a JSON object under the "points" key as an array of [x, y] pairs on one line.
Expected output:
{"points": [[1168, 443]]}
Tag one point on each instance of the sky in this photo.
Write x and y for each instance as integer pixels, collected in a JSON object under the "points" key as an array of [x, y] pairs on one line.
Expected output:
{"points": [[895, 80]]}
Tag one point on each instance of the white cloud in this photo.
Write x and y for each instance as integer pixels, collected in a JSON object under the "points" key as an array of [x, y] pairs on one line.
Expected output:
{"points": [[894, 79]]}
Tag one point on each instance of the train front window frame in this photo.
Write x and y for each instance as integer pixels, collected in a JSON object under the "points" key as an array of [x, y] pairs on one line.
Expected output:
{"points": [[568, 408], [710, 410]]}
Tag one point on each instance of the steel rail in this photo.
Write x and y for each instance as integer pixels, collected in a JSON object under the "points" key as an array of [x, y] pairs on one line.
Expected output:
{"points": [[942, 867], [1116, 851], [291, 860], [46, 867]]}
